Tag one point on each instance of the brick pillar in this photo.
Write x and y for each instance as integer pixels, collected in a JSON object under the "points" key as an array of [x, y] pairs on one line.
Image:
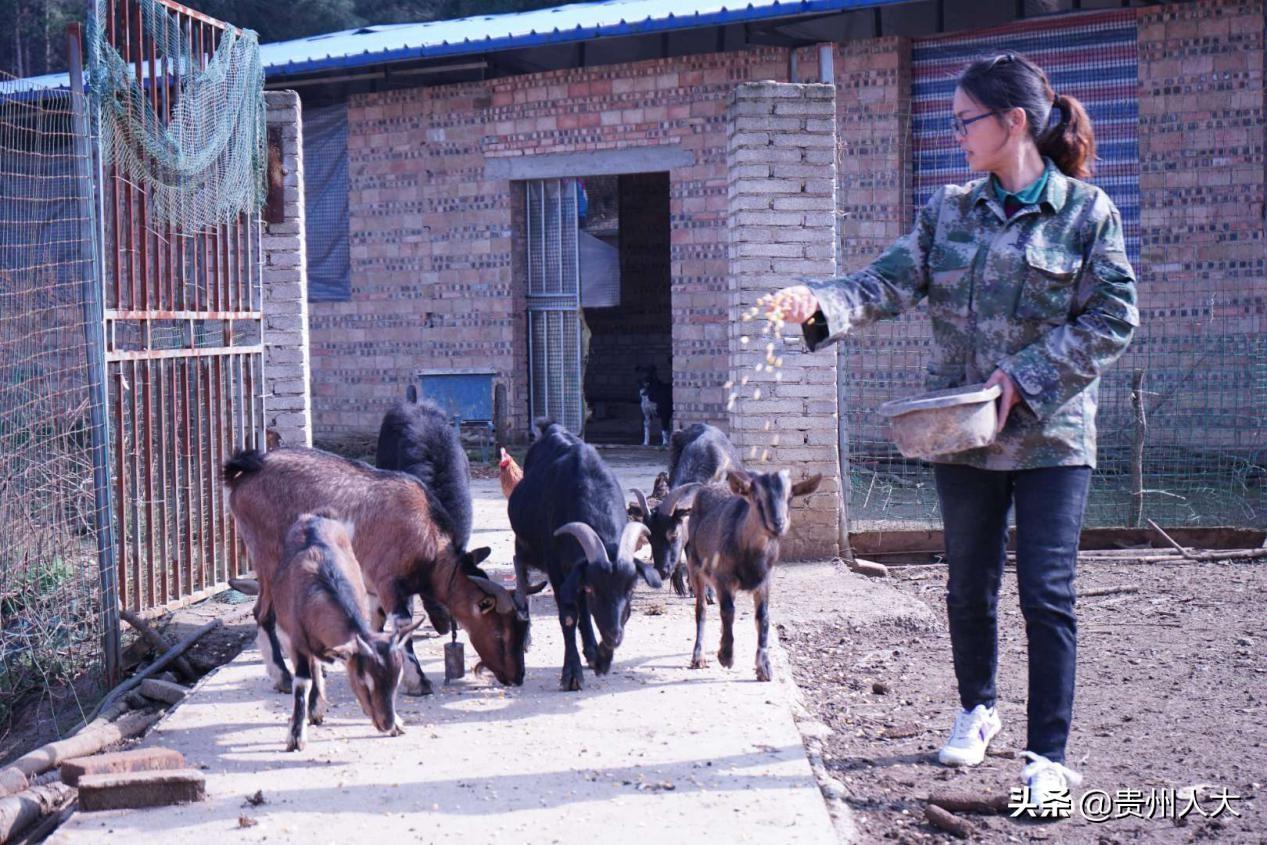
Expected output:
{"points": [[781, 189], [287, 401]]}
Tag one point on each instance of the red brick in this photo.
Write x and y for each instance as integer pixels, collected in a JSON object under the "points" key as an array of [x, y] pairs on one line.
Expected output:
{"points": [[136, 760], [141, 789]]}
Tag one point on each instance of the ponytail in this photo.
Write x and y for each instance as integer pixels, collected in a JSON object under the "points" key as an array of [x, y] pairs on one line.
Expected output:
{"points": [[1071, 142]]}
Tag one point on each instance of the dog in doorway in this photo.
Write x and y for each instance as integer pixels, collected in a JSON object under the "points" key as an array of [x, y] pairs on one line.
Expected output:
{"points": [[657, 401]]}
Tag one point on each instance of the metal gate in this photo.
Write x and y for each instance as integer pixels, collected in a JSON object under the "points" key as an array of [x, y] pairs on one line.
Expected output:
{"points": [[183, 338], [554, 302]]}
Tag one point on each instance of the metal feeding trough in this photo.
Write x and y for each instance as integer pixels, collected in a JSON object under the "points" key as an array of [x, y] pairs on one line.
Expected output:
{"points": [[943, 422]]}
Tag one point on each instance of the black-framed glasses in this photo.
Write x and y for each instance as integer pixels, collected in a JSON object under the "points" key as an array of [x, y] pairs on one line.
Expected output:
{"points": [[960, 126]]}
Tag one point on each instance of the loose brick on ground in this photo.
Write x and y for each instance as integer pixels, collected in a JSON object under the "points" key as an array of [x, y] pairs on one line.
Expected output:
{"points": [[132, 790], [136, 760]]}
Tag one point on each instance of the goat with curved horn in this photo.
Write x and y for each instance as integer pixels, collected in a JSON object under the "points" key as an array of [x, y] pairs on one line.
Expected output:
{"points": [[568, 491], [589, 540], [642, 502]]}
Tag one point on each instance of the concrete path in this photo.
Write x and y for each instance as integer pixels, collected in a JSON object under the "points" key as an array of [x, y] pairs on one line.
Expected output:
{"points": [[651, 752]]}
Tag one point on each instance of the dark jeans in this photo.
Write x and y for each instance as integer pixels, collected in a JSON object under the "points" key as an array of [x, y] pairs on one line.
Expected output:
{"points": [[1049, 506]]}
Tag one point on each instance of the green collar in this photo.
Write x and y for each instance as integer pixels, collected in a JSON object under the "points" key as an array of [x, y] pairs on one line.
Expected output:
{"points": [[1029, 195], [1051, 189]]}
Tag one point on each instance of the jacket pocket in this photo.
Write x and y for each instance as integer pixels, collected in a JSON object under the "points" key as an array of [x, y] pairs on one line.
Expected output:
{"points": [[1049, 283], [950, 291]]}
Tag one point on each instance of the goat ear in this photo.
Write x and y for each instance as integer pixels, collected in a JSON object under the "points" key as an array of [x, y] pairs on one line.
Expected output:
{"points": [[740, 482], [477, 556], [649, 575], [343, 652], [487, 604], [809, 485], [364, 648], [570, 592]]}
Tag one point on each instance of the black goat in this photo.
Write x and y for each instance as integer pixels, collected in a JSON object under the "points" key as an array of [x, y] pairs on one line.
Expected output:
{"points": [[701, 454], [569, 519], [733, 545], [416, 437], [656, 399]]}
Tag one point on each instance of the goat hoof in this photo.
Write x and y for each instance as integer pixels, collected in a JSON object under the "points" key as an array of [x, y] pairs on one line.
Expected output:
{"points": [[763, 671], [316, 718], [726, 658], [571, 681], [295, 744], [398, 729], [284, 685], [699, 663], [417, 687]]}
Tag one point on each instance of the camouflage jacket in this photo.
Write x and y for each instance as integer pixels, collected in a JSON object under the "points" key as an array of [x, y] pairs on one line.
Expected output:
{"points": [[1047, 296]]}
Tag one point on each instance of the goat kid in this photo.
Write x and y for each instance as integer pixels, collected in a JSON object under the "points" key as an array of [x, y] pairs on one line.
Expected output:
{"points": [[733, 545], [318, 599]]}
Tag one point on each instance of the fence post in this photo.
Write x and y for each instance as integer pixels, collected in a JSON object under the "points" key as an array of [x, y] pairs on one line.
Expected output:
{"points": [[1137, 450], [94, 330]]}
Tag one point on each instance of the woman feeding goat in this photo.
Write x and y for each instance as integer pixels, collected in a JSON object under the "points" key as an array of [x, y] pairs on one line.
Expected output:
{"points": [[1029, 288]]}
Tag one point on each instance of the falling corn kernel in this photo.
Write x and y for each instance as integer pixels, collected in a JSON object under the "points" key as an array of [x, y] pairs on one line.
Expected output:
{"points": [[743, 341], [730, 401], [778, 376], [765, 455], [770, 359], [766, 427], [758, 368], [743, 380], [728, 385], [774, 440], [778, 362], [756, 394]]}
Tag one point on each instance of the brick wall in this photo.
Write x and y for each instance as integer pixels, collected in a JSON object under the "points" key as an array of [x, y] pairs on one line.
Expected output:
{"points": [[287, 404], [888, 358], [432, 238], [1201, 273], [781, 193]]}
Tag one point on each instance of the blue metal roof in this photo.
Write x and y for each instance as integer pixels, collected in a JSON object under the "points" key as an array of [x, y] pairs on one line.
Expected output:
{"points": [[370, 45]]}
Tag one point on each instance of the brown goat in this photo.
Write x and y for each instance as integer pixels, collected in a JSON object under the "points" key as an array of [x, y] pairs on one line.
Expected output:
{"points": [[318, 598], [402, 539], [733, 545]]}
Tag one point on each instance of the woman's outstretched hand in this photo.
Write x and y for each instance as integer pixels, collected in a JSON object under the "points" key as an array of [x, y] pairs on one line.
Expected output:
{"points": [[794, 304], [1009, 398]]}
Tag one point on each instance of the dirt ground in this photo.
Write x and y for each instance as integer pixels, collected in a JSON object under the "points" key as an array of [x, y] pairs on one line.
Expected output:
{"points": [[1171, 685]]}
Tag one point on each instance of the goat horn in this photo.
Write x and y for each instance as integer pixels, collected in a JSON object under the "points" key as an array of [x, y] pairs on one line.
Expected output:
{"points": [[680, 497], [633, 535], [642, 501], [505, 601], [593, 547]]}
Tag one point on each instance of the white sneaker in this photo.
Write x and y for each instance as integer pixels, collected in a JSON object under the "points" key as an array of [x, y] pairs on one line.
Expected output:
{"points": [[971, 736], [1047, 786]]}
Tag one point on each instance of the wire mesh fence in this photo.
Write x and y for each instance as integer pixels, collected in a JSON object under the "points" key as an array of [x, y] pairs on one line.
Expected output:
{"points": [[1191, 447], [50, 607]]}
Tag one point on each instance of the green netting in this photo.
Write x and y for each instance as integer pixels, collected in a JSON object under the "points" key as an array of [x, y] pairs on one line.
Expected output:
{"points": [[198, 147]]}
